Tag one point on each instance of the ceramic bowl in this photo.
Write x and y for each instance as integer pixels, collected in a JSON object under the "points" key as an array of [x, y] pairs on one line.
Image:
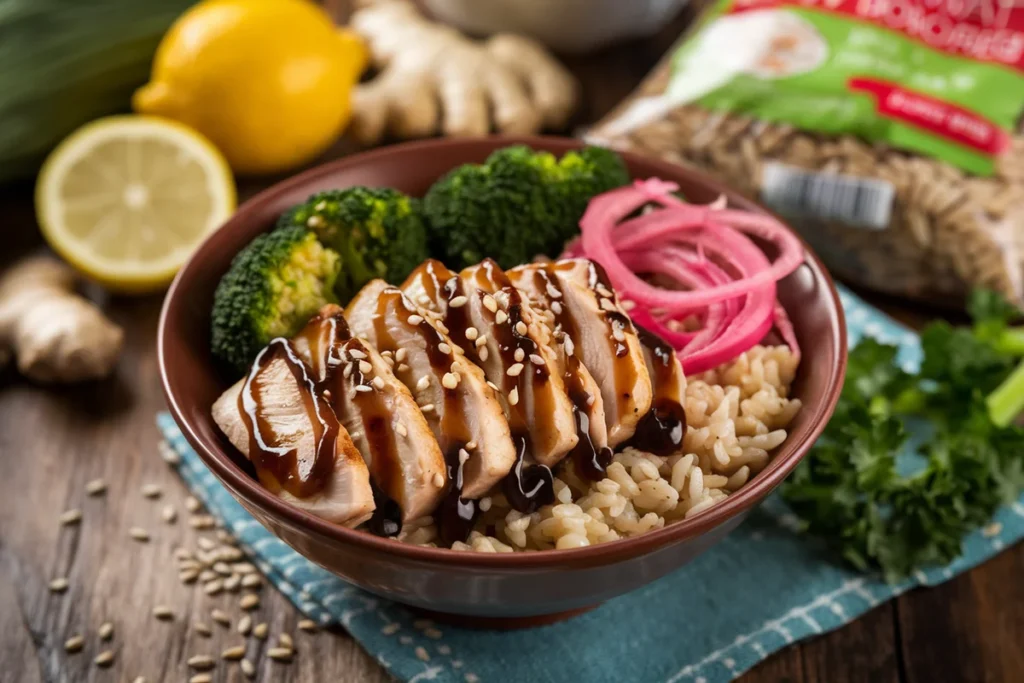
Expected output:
{"points": [[497, 589]]}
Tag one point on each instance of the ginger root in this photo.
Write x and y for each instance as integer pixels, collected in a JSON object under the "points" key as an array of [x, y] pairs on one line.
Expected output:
{"points": [[432, 78], [54, 334]]}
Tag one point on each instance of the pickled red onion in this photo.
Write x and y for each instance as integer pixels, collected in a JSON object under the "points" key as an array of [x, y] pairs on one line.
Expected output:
{"points": [[721, 277]]}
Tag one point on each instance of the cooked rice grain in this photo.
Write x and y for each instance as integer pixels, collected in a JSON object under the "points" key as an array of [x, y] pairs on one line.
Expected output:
{"points": [[736, 415]]}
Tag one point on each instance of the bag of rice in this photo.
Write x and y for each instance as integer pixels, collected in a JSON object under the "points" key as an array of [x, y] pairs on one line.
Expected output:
{"points": [[886, 131]]}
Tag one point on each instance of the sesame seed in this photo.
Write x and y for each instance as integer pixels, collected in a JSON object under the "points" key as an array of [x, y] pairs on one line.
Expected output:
{"points": [[402, 431], [515, 370], [500, 317], [490, 304], [607, 305], [553, 291], [260, 630], [401, 354], [202, 522], [96, 487], [423, 383], [458, 302], [188, 575], [421, 653], [472, 678], [70, 517], [519, 355], [106, 630], [441, 326], [536, 359], [233, 654], [220, 616], [480, 341], [307, 625], [365, 367], [483, 354], [59, 585], [163, 613], [232, 582], [169, 514], [207, 575], [182, 554], [386, 353], [104, 659], [192, 504], [347, 372], [513, 396], [214, 587], [245, 625], [444, 348], [472, 333], [556, 308], [449, 381], [390, 629], [427, 408], [627, 304], [152, 491], [285, 640], [993, 529], [247, 668], [314, 221], [463, 456], [390, 361], [492, 385], [169, 455], [402, 367], [252, 581], [201, 678], [378, 382], [357, 354], [444, 649], [201, 662], [205, 543], [244, 568], [280, 654], [433, 633], [139, 679], [603, 291], [202, 629], [415, 319], [485, 504], [363, 388], [521, 327], [249, 601], [74, 643], [570, 348], [590, 400], [618, 335], [222, 568]]}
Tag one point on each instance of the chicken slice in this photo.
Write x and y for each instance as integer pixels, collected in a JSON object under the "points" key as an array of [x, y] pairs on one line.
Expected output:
{"points": [[295, 427], [661, 430], [468, 416], [592, 454], [379, 413], [502, 334], [604, 338]]}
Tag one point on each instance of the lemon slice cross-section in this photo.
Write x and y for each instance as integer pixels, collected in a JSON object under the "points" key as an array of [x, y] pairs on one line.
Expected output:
{"points": [[126, 199]]}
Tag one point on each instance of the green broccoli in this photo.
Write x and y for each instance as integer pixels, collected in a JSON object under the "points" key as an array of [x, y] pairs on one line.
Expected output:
{"points": [[377, 232], [519, 203], [274, 285]]}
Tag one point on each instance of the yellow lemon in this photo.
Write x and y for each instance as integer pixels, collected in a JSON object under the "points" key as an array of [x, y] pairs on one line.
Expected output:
{"points": [[267, 81], [126, 199]]}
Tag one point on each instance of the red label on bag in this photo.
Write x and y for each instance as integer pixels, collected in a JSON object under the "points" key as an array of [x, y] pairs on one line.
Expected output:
{"points": [[985, 30], [938, 117]]}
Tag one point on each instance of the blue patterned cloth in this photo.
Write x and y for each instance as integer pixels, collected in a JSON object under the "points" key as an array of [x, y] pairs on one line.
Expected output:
{"points": [[760, 589]]}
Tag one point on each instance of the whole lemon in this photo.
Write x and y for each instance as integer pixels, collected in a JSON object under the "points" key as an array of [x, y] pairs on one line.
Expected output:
{"points": [[267, 81]]}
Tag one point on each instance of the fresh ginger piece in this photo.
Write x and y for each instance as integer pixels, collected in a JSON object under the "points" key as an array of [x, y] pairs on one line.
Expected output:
{"points": [[433, 79], [54, 334]]}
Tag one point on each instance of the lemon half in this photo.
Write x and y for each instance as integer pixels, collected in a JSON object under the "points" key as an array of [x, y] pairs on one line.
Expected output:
{"points": [[126, 199]]}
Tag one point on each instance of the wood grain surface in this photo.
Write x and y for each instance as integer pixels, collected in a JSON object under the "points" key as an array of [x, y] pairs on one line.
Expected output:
{"points": [[54, 441]]}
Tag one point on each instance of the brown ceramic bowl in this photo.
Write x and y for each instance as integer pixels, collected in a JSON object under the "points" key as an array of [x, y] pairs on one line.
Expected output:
{"points": [[511, 589]]}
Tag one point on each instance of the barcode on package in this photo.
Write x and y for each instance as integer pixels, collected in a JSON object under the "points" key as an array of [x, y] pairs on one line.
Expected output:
{"points": [[853, 200]]}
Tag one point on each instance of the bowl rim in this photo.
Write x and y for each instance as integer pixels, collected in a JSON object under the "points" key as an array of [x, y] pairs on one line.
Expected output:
{"points": [[243, 486]]}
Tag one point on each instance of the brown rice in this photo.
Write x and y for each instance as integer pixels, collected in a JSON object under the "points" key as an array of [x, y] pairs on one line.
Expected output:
{"points": [[736, 415]]}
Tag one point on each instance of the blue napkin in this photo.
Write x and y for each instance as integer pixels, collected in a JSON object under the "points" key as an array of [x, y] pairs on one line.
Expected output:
{"points": [[759, 590]]}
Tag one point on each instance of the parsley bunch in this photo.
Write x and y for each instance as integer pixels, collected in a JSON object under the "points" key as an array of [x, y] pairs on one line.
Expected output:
{"points": [[896, 516]]}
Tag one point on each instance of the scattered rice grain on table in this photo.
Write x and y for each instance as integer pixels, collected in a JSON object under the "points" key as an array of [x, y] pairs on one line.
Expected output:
{"points": [[736, 416]]}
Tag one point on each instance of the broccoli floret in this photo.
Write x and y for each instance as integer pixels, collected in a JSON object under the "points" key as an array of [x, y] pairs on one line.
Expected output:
{"points": [[377, 232], [274, 285], [519, 203]]}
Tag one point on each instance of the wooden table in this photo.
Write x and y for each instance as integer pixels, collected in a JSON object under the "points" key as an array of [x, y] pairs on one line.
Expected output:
{"points": [[53, 441]]}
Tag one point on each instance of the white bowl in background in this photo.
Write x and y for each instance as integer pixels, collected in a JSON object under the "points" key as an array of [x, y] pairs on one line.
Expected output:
{"points": [[563, 25]]}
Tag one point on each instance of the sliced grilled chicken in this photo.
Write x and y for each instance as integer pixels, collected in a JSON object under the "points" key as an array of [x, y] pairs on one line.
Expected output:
{"points": [[501, 333], [283, 428], [379, 413], [591, 454], [661, 430], [466, 415], [604, 338]]}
